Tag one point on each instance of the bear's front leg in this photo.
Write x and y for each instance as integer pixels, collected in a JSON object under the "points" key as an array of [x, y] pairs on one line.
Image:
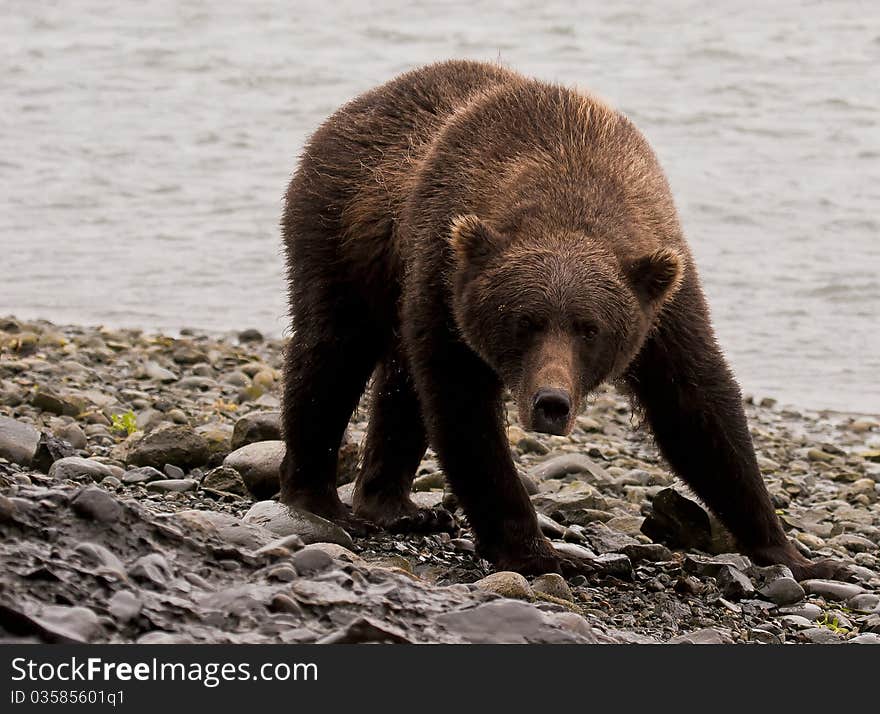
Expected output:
{"points": [[694, 408], [462, 409]]}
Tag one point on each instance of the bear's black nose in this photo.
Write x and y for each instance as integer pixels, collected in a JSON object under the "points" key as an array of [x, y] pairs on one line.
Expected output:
{"points": [[551, 410]]}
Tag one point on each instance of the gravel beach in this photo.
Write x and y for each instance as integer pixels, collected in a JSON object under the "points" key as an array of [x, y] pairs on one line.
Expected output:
{"points": [[137, 476]]}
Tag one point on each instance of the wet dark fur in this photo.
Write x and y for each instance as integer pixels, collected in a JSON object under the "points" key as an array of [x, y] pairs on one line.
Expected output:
{"points": [[461, 229]]}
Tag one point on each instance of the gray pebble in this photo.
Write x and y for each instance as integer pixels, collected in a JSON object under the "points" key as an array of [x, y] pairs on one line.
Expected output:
{"points": [[144, 474], [864, 602], [282, 573], [259, 465], [832, 589], [18, 441], [866, 638], [124, 605], [76, 624], [75, 467], [549, 527], [651, 552], [257, 426], [733, 584], [95, 503], [311, 561], [97, 554], [706, 636], [757, 634], [281, 520], [463, 544], [821, 636], [153, 567], [554, 585], [173, 472], [178, 485], [783, 591]]}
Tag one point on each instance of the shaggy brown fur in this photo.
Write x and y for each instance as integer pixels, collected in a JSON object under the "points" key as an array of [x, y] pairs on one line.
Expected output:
{"points": [[462, 229]]}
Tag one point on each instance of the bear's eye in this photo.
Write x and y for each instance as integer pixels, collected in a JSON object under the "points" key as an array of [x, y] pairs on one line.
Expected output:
{"points": [[526, 324], [587, 330]]}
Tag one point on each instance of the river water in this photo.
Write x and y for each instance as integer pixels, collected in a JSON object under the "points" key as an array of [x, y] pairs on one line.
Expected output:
{"points": [[145, 148]]}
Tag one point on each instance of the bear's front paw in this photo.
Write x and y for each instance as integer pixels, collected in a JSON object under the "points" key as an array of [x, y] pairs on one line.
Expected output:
{"points": [[401, 515], [538, 558], [425, 520]]}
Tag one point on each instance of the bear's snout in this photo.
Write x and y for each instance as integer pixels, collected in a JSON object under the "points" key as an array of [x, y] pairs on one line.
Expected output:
{"points": [[551, 409]]}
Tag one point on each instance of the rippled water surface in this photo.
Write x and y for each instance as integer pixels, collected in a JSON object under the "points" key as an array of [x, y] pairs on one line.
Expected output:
{"points": [[144, 150]]}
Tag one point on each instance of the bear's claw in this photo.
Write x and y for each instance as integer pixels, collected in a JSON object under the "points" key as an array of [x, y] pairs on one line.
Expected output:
{"points": [[544, 560], [425, 520]]}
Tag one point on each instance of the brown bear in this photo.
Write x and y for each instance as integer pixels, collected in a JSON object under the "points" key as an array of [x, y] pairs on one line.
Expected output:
{"points": [[463, 229]]}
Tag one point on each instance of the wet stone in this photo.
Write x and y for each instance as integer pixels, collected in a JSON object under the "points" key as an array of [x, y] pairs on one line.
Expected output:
{"points": [[507, 584], [615, 564], [651, 552], [864, 602], [226, 479], [573, 550], [832, 589], [98, 555], [820, 636], [95, 503], [282, 520], [284, 603], [73, 434], [428, 482], [554, 585], [782, 591], [549, 527], [867, 638], [465, 545], [566, 465], [808, 610], [7, 509], [144, 474], [711, 566], [173, 484], [282, 546], [509, 622], [50, 401], [152, 567], [225, 526], [124, 605], [169, 444], [606, 540], [310, 561], [797, 622], [172, 471], [75, 467], [733, 584], [50, 449], [259, 465], [282, 573], [681, 522], [76, 624], [257, 426], [706, 636]]}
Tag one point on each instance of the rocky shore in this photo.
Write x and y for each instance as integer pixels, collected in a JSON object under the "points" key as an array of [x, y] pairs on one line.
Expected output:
{"points": [[137, 475]]}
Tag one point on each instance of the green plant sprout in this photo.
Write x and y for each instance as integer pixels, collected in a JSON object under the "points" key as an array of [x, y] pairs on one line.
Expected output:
{"points": [[126, 422]]}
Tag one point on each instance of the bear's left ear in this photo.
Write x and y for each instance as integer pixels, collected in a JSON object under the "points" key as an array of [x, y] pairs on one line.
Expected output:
{"points": [[655, 277], [473, 241]]}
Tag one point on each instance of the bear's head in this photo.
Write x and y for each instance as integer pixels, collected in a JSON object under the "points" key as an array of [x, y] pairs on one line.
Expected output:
{"points": [[554, 314]]}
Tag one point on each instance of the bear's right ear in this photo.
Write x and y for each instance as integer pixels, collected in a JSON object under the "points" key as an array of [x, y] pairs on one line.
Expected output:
{"points": [[473, 241]]}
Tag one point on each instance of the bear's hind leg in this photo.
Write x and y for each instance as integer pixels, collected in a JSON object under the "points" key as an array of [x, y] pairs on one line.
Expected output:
{"points": [[327, 365], [395, 445]]}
